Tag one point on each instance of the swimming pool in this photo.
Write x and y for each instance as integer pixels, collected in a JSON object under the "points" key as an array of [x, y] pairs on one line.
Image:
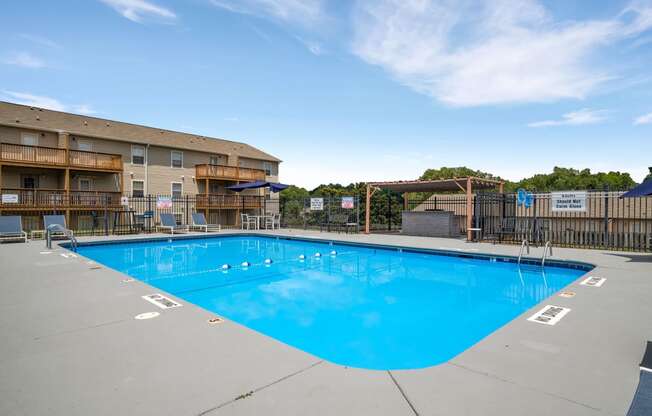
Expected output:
{"points": [[355, 305]]}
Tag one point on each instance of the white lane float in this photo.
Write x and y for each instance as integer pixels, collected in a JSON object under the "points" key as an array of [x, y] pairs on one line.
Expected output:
{"points": [[226, 266], [317, 254], [302, 257], [245, 264], [334, 253], [269, 261]]}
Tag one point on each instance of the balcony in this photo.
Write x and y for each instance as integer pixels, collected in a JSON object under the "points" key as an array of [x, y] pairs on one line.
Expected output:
{"points": [[229, 173], [58, 199], [228, 201], [18, 154]]}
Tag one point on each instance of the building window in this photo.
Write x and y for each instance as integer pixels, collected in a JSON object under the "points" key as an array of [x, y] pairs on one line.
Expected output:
{"points": [[177, 189], [137, 155], [214, 160], [85, 145], [29, 182], [85, 184], [267, 167], [176, 158], [137, 188], [29, 139]]}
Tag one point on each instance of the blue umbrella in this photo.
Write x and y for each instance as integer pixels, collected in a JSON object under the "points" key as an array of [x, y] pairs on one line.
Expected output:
{"points": [[273, 186], [643, 189]]}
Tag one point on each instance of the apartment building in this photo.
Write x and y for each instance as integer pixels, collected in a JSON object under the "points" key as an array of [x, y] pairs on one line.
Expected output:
{"points": [[52, 161]]}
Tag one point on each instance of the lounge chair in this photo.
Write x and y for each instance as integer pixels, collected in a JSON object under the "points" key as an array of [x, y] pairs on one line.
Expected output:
{"points": [[199, 222], [11, 228], [169, 223], [642, 402], [56, 225]]}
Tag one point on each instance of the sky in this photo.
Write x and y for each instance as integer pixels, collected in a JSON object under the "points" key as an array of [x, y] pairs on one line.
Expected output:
{"points": [[354, 90]]}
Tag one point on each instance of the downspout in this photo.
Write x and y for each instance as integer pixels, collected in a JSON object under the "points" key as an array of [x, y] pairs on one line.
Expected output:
{"points": [[146, 169]]}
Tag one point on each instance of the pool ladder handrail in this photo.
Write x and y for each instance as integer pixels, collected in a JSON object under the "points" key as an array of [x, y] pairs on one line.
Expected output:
{"points": [[524, 244], [67, 233], [546, 248]]}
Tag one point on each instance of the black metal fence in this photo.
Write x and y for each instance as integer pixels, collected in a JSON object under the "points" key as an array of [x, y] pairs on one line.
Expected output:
{"points": [[142, 214], [606, 222], [322, 212]]}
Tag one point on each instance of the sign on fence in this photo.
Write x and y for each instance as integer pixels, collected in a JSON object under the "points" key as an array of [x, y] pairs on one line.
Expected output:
{"points": [[571, 201], [163, 202], [347, 202], [316, 204], [124, 201], [9, 198]]}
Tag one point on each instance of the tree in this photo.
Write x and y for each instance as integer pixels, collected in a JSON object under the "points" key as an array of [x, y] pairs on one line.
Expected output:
{"points": [[455, 172], [562, 179], [649, 175]]}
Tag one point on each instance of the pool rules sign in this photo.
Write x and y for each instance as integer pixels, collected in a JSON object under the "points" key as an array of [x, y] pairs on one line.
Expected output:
{"points": [[316, 204], [568, 201]]}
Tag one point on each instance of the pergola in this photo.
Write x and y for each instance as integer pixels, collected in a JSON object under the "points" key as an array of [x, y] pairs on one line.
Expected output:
{"points": [[467, 185]]}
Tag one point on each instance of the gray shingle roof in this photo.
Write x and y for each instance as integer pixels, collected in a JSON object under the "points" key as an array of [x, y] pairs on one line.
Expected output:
{"points": [[39, 118]]}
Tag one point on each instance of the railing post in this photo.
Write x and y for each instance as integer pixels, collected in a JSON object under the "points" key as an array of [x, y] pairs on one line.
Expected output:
{"points": [[186, 210], [605, 239], [389, 210]]}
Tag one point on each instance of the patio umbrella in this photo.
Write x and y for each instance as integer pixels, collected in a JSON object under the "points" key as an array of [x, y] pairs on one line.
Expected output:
{"points": [[643, 189], [273, 186]]}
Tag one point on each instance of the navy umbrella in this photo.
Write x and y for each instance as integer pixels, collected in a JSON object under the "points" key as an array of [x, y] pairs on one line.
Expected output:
{"points": [[273, 186], [643, 189]]}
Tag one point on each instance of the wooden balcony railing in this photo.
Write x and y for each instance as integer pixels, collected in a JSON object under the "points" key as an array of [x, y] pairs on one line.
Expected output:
{"points": [[235, 173], [51, 156], [33, 154], [57, 198], [95, 160], [229, 201]]}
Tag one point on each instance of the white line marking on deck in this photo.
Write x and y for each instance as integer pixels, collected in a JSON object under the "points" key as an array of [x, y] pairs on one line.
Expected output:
{"points": [[549, 315]]}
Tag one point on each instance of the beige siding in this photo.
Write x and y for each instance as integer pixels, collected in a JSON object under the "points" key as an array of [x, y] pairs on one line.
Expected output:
{"points": [[47, 178], [13, 135], [160, 173]]}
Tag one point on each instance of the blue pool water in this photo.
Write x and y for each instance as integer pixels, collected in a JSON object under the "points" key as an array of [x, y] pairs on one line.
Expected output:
{"points": [[364, 307]]}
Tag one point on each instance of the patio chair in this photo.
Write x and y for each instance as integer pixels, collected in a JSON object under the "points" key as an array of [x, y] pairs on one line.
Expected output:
{"points": [[11, 228], [199, 222], [248, 221], [276, 221], [507, 229], [56, 226], [268, 222], [169, 223], [337, 221], [642, 402]]}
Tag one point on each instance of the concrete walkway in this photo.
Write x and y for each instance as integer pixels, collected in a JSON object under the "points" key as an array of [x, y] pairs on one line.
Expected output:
{"points": [[71, 346]]}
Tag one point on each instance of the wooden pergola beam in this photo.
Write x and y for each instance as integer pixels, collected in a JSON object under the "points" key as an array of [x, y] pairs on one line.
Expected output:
{"points": [[469, 209], [464, 184]]}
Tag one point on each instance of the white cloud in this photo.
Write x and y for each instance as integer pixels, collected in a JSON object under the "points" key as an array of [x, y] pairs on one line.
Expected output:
{"points": [[84, 109], [25, 60], [467, 53], [314, 47], [137, 10], [303, 12], [45, 102], [644, 119], [574, 118], [40, 40]]}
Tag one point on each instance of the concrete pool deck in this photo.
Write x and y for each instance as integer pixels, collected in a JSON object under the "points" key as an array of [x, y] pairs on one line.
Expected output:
{"points": [[71, 346]]}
